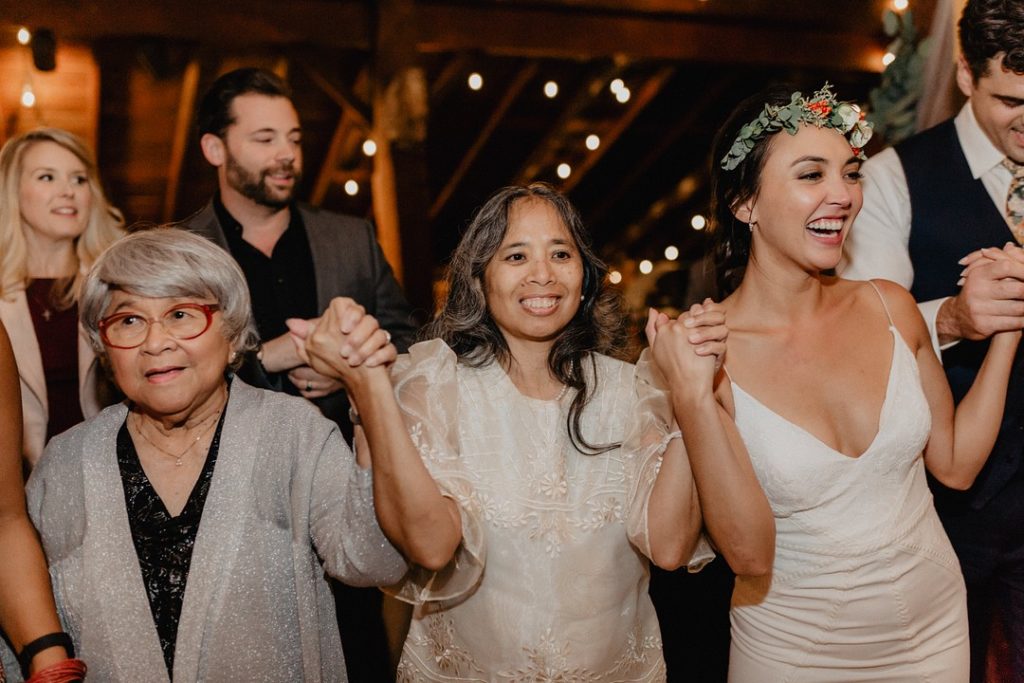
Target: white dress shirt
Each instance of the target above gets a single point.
(877, 245)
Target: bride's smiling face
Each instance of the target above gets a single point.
(808, 196)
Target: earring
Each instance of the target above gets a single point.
(751, 225)
(583, 297)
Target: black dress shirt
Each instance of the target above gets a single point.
(282, 285)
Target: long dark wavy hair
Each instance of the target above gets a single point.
(465, 323)
(731, 237)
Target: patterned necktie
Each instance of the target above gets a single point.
(1015, 200)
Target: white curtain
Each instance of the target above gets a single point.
(940, 98)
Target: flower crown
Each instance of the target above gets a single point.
(820, 109)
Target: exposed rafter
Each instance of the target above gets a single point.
(544, 152)
(180, 139)
(524, 76)
(647, 92)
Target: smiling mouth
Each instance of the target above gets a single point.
(826, 227)
(540, 303)
(66, 211)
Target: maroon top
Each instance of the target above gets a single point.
(57, 333)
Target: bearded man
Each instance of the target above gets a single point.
(296, 258)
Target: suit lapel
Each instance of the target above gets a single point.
(221, 531)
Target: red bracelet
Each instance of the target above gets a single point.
(68, 671)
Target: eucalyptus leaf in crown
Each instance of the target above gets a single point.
(820, 109)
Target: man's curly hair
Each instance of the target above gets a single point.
(992, 28)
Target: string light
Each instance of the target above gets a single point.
(616, 85)
(888, 58)
(475, 81)
(623, 95)
(593, 142)
(671, 252)
(564, 171)
(698, 222)
(351, 188)
(900, 5)
(646, 267)
(28, 98)
(369, 147)
(24, 36)
(551, 90)
(615, 277)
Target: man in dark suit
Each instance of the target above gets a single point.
(928, 202)
(296, 258)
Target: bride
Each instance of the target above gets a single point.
(840, 406)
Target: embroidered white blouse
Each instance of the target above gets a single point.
(550, 582)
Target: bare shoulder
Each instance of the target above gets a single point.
(904, 311)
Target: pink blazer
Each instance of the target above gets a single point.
(17, 319)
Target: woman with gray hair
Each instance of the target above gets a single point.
(188, 529)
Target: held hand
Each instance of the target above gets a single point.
(311, 384)
(344, 340)
(991, 299)
(687, 350)
(279, 354)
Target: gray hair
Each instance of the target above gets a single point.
(169, 262)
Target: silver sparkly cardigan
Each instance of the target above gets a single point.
(287, 504)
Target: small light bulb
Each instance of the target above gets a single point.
(646, 266)
(475, 81)
(593, 142)
(615, 277)
(551, 89)
(698, 222)
(900, 5)
(623, 95)
(888, 58)
(671, 252)
(564, 171)
(351, 188)
(616, 85)
(28, 98)
(369, 147)
(24, 35)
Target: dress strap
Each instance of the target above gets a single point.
(884, 305)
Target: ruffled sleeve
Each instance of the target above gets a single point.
(651, 428)
(426, 387)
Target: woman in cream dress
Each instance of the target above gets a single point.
(527, 473)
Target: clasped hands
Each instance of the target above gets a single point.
(991, 298)
(690, 349)
(343, 343)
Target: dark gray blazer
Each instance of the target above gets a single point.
(348, 262)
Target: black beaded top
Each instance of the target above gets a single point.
(163, 543)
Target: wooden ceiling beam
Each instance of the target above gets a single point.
(341, 94)
(556, 133)
(180, 138)
(650, 89)
(570, 31)
(640, 169)
(556, 33)
(332, 23)
(520, 81)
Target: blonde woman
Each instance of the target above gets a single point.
(54, 222)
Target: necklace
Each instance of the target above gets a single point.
(177, 457)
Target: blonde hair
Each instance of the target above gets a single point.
(106, 224)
